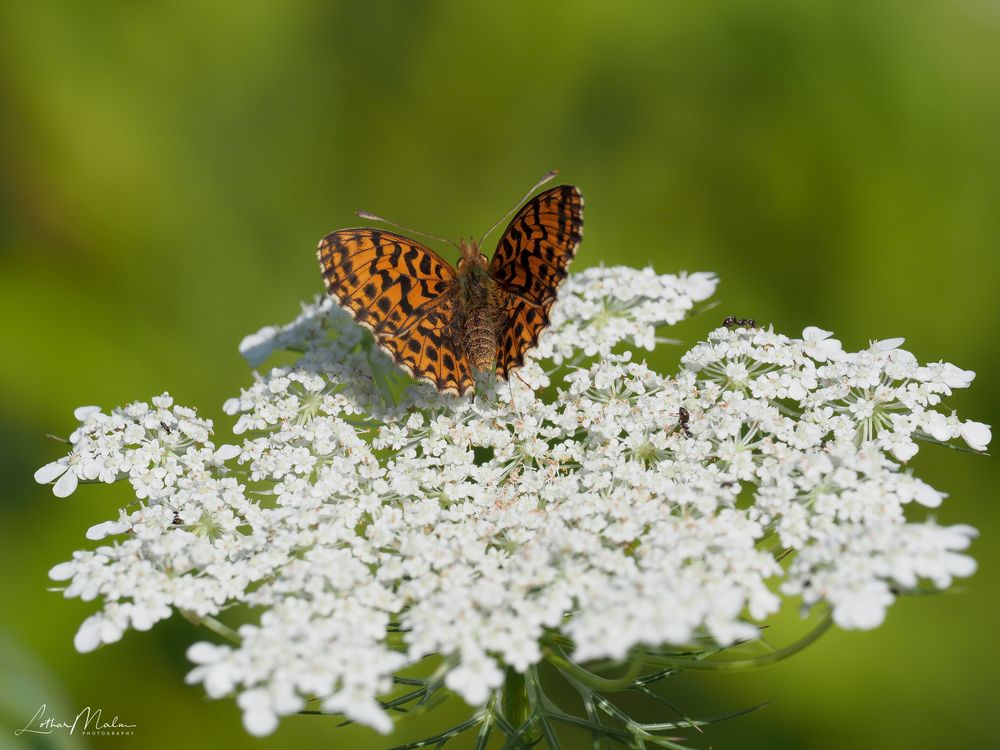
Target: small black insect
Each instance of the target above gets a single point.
(177, 519)
(682, 421)
(734, 322)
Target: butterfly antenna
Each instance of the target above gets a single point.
(373, 217)
(545, 178)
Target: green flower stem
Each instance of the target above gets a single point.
(557, 657)
(724, 665)
(487, 724)
(516, 705)
(212, 624)
(542, 707)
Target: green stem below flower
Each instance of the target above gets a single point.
(516, 705)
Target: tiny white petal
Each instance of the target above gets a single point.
(203, 652)
(259, 718)
(66, 485)
(83, 413)
(106, 529)
(63, 571)
(905, 450)
(812, 333)
(257, 347)
(976, 434)
(887, 345)
(227, 452)
(863, 609)
(50, 471)
(88, 637)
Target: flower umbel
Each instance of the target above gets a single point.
(571, 515)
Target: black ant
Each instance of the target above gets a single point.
(734, 322)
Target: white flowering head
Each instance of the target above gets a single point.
(589, 509)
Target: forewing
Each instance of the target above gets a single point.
(403, 292)
(531, 260)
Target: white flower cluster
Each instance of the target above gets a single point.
(602, 307)
(620, 508)
(153, 446)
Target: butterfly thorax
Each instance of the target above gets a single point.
(477, 312)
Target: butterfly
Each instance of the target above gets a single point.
(441, 323)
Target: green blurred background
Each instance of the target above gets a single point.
(167, 169)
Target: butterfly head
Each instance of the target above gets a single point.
(471, 256)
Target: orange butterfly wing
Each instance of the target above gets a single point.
(403, 293)
(531, 260)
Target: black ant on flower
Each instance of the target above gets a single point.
(734, 322)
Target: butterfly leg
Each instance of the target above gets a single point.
(523, 381)
(518, 376)
(493, 380)
(510, 392)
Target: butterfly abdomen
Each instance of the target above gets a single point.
(481, 335)
(479, 319)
